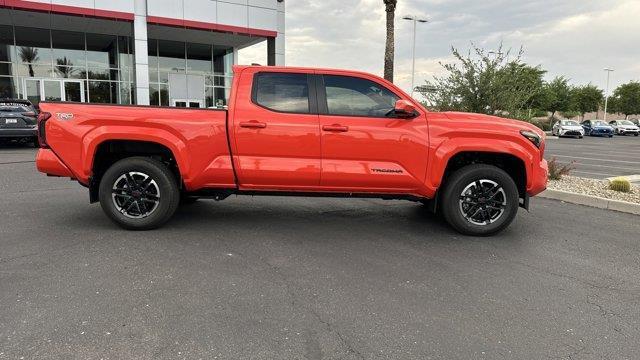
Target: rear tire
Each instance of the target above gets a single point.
(139, 193)
(480, 200)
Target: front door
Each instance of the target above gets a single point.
(276, 133)
(365, 148)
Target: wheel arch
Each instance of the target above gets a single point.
(110, 151)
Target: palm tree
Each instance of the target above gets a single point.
(63, 67)
(29, 55)
(390, 7)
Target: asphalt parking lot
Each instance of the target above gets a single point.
(598, 157)
(269, 277)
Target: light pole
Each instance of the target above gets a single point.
(415, 20)
(606, 93)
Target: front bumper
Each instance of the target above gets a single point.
(571, 132)
(601, 132)
(48, 162)
(18, 132)
(539, 177)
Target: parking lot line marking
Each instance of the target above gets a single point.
(592, 173)
(599, 159)
(611, 167)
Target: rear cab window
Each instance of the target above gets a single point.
(282, 92)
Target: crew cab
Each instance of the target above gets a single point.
(296, 131)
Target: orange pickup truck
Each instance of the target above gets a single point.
(301, 132)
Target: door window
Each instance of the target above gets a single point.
(282, 92)
(350, 96)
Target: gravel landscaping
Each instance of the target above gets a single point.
(594, 187)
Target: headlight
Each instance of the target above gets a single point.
(531, 136)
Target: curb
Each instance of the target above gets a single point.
(593, 201)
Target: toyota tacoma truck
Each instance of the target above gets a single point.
(301, 132)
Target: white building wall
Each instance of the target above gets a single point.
(141, 52)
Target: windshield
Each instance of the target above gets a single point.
(569, 123)
(626, 122)
(599, 123)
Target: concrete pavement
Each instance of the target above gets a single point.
(270, 277)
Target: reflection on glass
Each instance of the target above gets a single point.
(102, 50)
(8, 88)
(31, 70)
(33, 45)
(6, 43)
(68, 48)
(52, 91)
(33, 91)
(199, 58)
(103, 92)
(171, 56)
(72, 91)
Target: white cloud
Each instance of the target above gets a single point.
(576, 38)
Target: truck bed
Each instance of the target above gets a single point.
(196, 137)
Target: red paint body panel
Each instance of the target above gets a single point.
(255, 149)
(197, 138)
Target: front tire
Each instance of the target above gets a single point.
(480, 200)
(139, 193)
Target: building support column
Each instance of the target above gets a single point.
(271, 51)
(141, 52)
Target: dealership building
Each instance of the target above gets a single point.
(145, 52)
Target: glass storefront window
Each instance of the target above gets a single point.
(171, 56)
(68, 48)
(222, 59)
(8, 87)
(33, 45)
(31, 70)
(199, 58)
(6, 43)
(69, 72)
(102, 50)
(5, 69)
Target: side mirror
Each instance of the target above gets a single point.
(404, 109)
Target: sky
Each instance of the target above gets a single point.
(574, 38)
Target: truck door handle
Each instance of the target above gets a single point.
(253, 124)
(335, 128)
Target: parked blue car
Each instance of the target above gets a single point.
(597, 128)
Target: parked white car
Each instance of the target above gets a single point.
(624, 127)
(567, 128)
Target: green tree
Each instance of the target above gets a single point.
(626, 99)
(485, 82)
(390, 8)
(586, 98)
(557, 96)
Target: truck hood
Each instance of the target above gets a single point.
(490, 120)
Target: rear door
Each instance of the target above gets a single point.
(365, 147)
(276, 132)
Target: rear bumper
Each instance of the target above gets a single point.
(539, 178)
(18, 133)
(48, 162)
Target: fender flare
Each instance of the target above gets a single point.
(101, 134)
(454, 146)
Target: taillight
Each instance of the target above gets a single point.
(42, 135)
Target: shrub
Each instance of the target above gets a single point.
(557, 170)
(620, 184)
